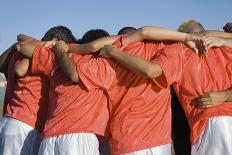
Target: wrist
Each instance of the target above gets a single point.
(187, 37)
(224, 42)
(61, 52)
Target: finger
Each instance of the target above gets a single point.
(205, 99)
(206, 106)
(208, 42)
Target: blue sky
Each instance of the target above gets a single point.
(36, 17)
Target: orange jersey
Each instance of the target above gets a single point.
(72, 108)
(26, 97)
(193, 76)
(140, 113)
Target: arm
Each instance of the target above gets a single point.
(23, 37)
(215, 33)
(216, 42)
(5, 57)
(93, 46)
(155, 33)
(161, 34)
(22, 67)
(135, 64)
(213, 99)
(68, 66)
(28, 48)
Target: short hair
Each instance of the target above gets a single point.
(126, 30)
(186, 23)
(61, 33)
(78, 41)
(93, 34)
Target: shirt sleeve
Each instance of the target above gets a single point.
(96, 72)
(170, 59)
(43, 60)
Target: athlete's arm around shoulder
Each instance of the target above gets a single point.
(5, 57)
(93, 46)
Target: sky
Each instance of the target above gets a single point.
(34, 18)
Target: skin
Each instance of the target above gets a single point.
(153, 70)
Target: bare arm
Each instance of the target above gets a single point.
(5, 57)
(145, 33)
(215, 33)
(27, 48)
(93, 46)
(154, 33)
(68, 66)
(210, 41)
(227, 42)
(22, 67)
(213, 99)
(23, 37)
(135, 64)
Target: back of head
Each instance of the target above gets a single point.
(126, 30)
(190, 26)
(61, 33)
(93, 34)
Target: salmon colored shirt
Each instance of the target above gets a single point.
(140, 113)
(26, 97)
(72, 108)
(193, 76)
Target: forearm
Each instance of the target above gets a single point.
(227, 43)
(136, 64)
(27, 49)
(93, 46)
(23, 37)
(21, 68)
(5, 57)
(68, 66)
(154, 33)
(219, 34)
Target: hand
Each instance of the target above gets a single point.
(228, 27)
(195, 43)
(105, 51)
(211, 99)
(61, 46)
(210, 41)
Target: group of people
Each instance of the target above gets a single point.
(67, 96)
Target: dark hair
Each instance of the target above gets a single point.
(126, 30)
(61, 33)
(78, 41)
(93, 34)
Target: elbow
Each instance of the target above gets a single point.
(150, 73)
(145, 31)
(94, 48)
(19, 73)
(74, 77)
(153, 72)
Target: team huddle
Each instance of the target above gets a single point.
(65, 96)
